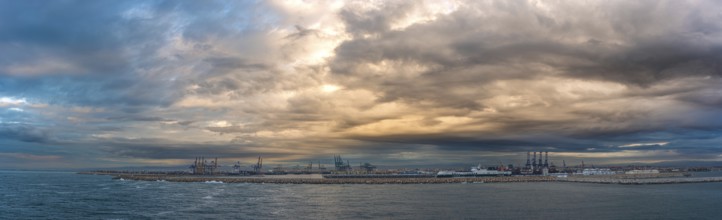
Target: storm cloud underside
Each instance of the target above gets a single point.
(118, 83)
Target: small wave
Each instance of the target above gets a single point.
(39, 184)
(164, 213)
(213, 181)
(160, 181)
(208, 197)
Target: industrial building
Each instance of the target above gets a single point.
(367, 167)
(340, 165)
(534, 166)
(597, 171)
(202, 167)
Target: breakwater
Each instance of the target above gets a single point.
(633, 176)
(273, 180)
(606, 180)
(407, 179)
(379, 176)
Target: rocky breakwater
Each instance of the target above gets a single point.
(272, 180)
(645, 180)
(638, 176)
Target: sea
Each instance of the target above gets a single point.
(67, 195)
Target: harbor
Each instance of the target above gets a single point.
(536, 169)
(395, 179)
(302, 180)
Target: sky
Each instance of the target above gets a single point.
(101, 83)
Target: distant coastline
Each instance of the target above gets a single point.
(664, 178)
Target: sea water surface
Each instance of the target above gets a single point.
(66, 195)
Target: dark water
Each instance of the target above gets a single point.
(54, 195)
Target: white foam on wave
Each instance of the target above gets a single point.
(213, 181)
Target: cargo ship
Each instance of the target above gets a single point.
(475, 171)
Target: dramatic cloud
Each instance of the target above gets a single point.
(390, 82)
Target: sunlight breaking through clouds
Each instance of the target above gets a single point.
(428, 81)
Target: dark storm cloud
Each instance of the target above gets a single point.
(471, 141)
(103, 66)
(33, 29)
(177, 79)
(653, 61)
(105, 53)
(236, 75)
(483, 42)
(24, 132)
(478, 40)
(166, 149)
(81, 52)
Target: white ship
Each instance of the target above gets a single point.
(475, 171)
